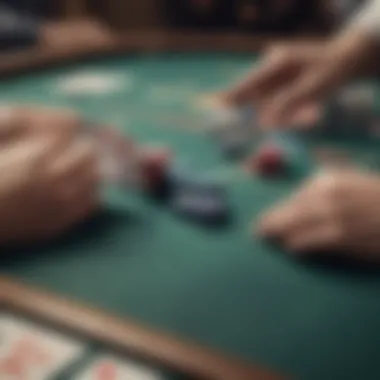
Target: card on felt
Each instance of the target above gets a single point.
(31, 352)
(111, 368)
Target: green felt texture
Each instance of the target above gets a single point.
(219, 287)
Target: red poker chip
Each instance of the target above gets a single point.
(154, 163)
(269, 160)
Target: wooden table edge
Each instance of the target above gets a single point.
(160, 40)
(125, 334)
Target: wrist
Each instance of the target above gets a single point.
(357, 50)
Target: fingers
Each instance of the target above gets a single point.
(27, 153)
(312, 219)
(317, 239)
(304, 117)
(81, 204)
(305, 92)
(76, 166)
(75, 183)
(74, 158)
(263, 79)
(302, 230)
(336, 62)
(18, 122)
(333, 212)
(51, 120)
(294, 217)
(10, 123)
(280, 67)
(70, 212)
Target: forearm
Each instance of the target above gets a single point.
(368, 19)
(360, 40)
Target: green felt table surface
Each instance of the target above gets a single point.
(219, 287)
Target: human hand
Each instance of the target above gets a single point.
(336, 211)
(47, 185)
(20, 121)
(292, 80)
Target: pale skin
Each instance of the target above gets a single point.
(49, 174)
(337, 210)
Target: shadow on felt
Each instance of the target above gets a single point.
(342, 265)
(333, 263)
(93, 232)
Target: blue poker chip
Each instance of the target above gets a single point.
(236, 146)
(202, 181)
(198, 196)
(200, 206)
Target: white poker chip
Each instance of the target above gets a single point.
(224, 118)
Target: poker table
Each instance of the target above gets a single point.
(220, 287)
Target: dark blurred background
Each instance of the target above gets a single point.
(21, 21)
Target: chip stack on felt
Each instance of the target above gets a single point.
(152, 170)
(198, 197)
(232, 128)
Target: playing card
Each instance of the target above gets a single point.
(111, 368)
(92, 83)
(31, 352)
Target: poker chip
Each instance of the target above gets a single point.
(235, 145)
(199, 197)
(268, 161)
(200, 204)
(154, 165)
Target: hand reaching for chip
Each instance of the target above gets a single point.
(47, 185)
(337, 211)
(292, 80)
